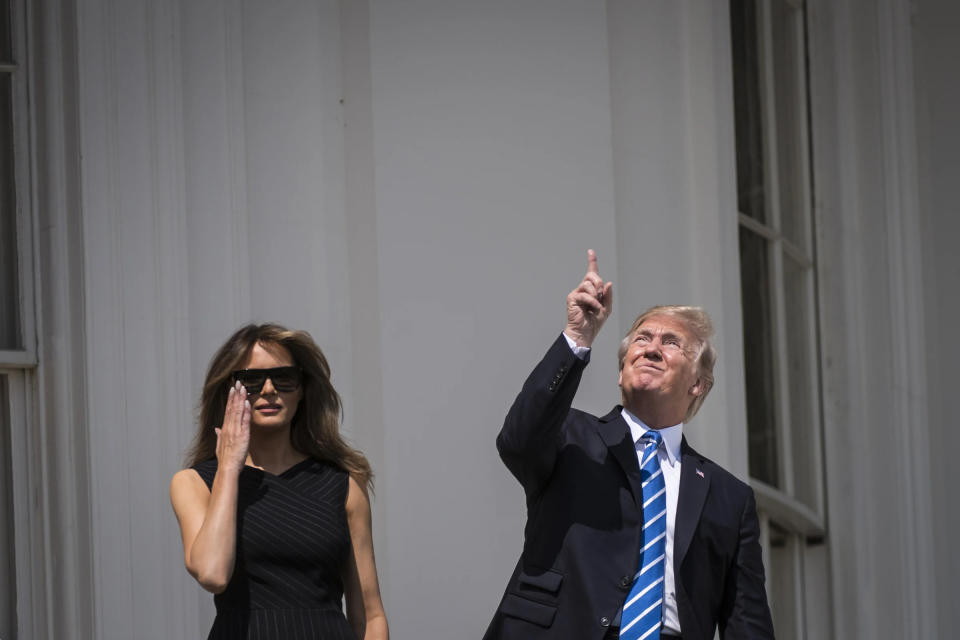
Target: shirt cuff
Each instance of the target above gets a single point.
(580, 352)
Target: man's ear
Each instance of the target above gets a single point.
(697, 388)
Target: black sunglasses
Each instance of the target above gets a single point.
(284, 378)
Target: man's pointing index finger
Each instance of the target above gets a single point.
(592, 262)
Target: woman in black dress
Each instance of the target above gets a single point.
(273, 506)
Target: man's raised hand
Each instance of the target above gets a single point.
(589, 305)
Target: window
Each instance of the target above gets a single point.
(17, 334)
(10, 325)
(778, 284)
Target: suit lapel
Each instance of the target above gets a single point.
(616, 435)
(694, 486)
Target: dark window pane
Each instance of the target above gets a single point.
(758, 358)
(791, 110)
(748, 113)
(9, 277)
(6, 42)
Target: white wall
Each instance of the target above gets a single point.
(492, 146)
(877, 431)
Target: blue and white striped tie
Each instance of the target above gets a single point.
(642, 611)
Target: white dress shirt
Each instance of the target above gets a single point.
(669, 456)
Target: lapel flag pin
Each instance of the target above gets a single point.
(700, 473)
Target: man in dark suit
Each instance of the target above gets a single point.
(630, 534)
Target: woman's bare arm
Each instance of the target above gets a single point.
(208, 517)
(361, 588)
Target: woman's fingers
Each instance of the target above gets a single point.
(236, 400)
(245, 416)
(233, 437)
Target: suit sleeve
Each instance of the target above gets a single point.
(747, 612)
(532, 431)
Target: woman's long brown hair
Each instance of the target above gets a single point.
(315, 429)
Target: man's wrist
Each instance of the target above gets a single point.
(578, 349)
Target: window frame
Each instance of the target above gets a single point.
(783, 500)
(784, 518)
(19, 367)
(26, 356)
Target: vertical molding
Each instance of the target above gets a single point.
(909, 397)
(171, 269)
(136, 307)
(363, 264)
(237, 157)
(871, 204)
(27, 503)
(824, 171)
(833, 93)
(98, 99)
(63, 454)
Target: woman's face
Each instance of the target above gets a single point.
(271, 408)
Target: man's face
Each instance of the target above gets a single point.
(660, 367)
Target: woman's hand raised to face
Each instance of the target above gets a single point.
(233, 438)
(589, 305)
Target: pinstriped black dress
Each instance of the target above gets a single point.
(292, 542)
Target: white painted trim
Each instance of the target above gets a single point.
(171, 272)
(28, 504)
(786, 511)
(26, 272)
(360, 205)
(18, 359)
(851, 384)
(99, 197)
(237, 156)
(905, 261)
(59, 419)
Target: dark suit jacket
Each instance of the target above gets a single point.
(584, 524)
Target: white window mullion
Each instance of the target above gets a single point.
(813, 375)
(767, 89)
(806, 180)
(799, 591)
(778, 306)
(781, 379)
(765, 549)
(807, 204)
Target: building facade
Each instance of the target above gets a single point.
(416, 183)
